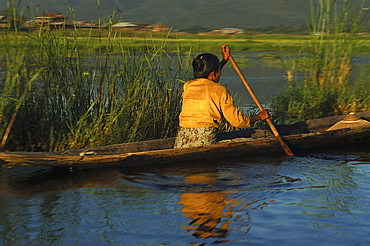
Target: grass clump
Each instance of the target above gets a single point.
(56, 95)
(329, 86)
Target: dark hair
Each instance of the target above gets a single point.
(204, 64)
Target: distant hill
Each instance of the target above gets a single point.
(180, 13)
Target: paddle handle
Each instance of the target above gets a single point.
(287, 150)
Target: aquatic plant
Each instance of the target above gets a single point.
(327, 87)
(55, 94)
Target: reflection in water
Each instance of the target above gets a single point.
(45, 206)
(206, 209)
(324, 199)
(213, 211)
(211, 196)
(34, 181)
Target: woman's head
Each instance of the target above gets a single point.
(204, 64)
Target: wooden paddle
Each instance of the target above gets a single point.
(255, 99)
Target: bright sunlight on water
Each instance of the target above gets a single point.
(315, 199)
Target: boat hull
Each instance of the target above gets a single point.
(161, 151)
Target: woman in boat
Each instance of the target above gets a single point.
(205, 102)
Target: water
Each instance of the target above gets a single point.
(267, 77)
(264, 84)
(314, 199)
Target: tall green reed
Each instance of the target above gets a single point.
(59, 95)
(16, 81)
(327, 87)
(136, 99)
(335, 32)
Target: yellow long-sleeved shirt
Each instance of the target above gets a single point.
(204, 103)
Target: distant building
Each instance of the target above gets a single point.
(51, 19)
(10, 22)
(157, 27)
(129, 26)
(81, 24)
(229, 31)
(3, 22)
(125, 25)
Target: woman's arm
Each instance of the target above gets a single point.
(225, 50)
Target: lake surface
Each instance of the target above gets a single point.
(319, 198)
(266, 75)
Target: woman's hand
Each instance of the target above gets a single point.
(263, 115)
(225, 50)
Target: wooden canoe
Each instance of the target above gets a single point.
(300, 136)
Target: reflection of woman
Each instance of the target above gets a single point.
(206, 102)
(205, 209)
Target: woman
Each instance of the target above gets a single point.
(206, 102)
